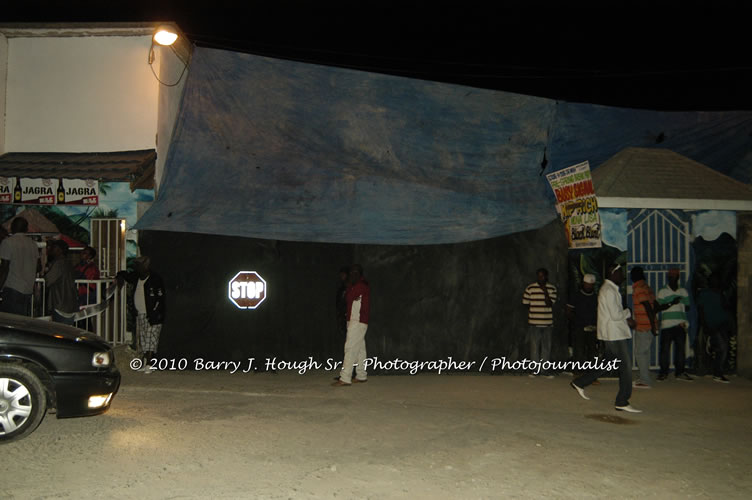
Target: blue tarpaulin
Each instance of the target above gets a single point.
(283, 150)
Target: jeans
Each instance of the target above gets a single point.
(15, 302)
(720, 345)
(615, 349)
(643, 339)
(678, 336)
(539, 339)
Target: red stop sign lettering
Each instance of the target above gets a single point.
(247, 290)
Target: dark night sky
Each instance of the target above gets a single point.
(683, 58)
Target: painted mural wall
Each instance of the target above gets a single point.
(115, 201)
(712, 250)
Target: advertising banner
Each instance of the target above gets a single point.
(577, 205)
(77, 192)
(6, 189)
(33, 191)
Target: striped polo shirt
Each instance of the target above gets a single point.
(539, 314)
(676, 314)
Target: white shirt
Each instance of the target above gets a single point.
(612, 317)
(355, 310)
(138, 298)
(22, 253)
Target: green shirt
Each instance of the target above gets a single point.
(676, 314)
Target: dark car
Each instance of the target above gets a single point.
(45, 365)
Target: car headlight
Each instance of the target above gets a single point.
(99, 400)
(101, 359)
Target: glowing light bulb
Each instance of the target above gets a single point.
(165, 36)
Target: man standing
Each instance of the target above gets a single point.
(645, 311)
(716, 323)
(614, 323)
(87, 269)
(674, 326)
(149, 299)
(18, 269)
(582, 311)
(61, 289)
(358, 297)
(341, 301)
(540, 298)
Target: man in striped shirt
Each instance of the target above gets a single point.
(540, 298)
(674, 326)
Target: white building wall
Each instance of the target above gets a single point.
(80, 94)
(3, 86)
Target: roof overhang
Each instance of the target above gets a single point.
(674, 203)
(60, 30)
(135, 167)
(182, 47)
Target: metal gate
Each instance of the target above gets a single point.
(657, 240)
(108, 239)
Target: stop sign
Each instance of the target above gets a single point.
(247, 290)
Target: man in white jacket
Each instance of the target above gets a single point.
(614, 323)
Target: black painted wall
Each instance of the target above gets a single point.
(428, 302)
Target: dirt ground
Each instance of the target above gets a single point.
(196, 435)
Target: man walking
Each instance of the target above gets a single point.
(18, 269)
(674, 327)
(540, 297)
(358, 297)
(614, 323)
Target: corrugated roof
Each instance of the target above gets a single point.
(661, 173)
(135, 167)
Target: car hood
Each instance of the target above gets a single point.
(50, 329)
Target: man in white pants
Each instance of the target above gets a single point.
(358, 296)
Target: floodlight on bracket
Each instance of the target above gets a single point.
(165, 35)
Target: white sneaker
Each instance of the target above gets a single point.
(147, 370)
(628, 408)
(579, 390)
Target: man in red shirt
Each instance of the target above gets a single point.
(645, 311)
(358, 298)
(87, 269)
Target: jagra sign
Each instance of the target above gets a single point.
(247, 290)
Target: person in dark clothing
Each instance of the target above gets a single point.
(716, 323)
(149, 299)
(341, 301)
(582, 311)
(62, 296)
